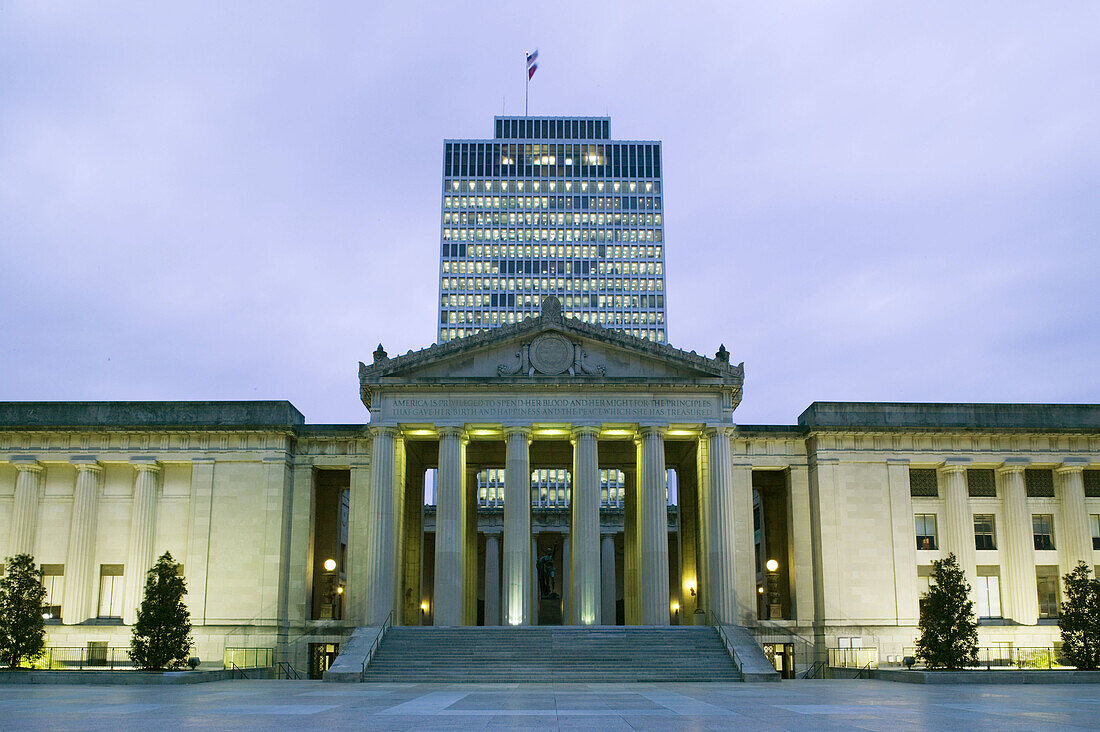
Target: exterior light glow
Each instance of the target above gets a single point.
(340, 590)
(330, 564)
(760, 590)
(772, 565)
(680, 433)
(424, 606)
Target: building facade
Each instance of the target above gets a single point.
(552, 206)
(852, 503)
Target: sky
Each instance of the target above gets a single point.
(863, 201)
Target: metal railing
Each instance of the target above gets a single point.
(80, 658)
(377, 642)
(990, 657)
(283, 670)
(729, 648)
(815, 671)
(853, 657)
(247, 657)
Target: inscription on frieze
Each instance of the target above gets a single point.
(553, 408)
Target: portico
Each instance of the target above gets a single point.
(551, 393)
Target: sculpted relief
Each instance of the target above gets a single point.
(551, 354)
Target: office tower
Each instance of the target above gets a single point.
(552, 206)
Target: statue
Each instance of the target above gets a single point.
(545, 568)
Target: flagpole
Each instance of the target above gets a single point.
(526, 85)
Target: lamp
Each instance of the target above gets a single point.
(775, 608)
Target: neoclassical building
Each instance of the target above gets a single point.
(550, 471)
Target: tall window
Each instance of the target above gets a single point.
(926, 531)
(110, 591)
(1042, 525)
(1046, 584)
(984, 538)
(988, 594)
(1095, 519)
(53, 579)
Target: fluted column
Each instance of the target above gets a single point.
(1017, 550)
(380, 557)
(653, 533)
(958, 529)
(24, 517)
(585, 532)
(492, 580)
(722, 544)
(517, 527)
(1076, 542)
(631, 612)
(607, 579)
(450, 529)
(80, 577)
(143, 530)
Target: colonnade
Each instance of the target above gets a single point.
(589, 570)
(79, 601)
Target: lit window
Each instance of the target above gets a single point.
(926, 531)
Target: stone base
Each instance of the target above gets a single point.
(550, 611)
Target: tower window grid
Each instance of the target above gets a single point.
(521, 220)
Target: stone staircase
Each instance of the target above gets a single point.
(551, 653)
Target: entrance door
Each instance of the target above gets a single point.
(781, 656)
(321, 657)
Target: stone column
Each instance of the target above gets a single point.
(607, 579)
(630, 547)
(80, 577)
(143, 530)
(1075, 545)
(357, 592)
(566, 595)
(381, 556)
(470, 542)
(518, 567)
(24, 518)
(585, 531)
(801, 543)
(653, 528)
(721, 533)
(1017, 548)
(450, 529)
(492, 580)
(958, 529)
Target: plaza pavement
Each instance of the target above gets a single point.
(791, 705)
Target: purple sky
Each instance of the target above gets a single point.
(862, 202)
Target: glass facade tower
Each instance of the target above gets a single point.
(552, 206)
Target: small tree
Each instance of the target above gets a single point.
(162, 634)
(948, 627)
(1080, 620)
(22, 628)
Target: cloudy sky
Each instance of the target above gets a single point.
(864, 201)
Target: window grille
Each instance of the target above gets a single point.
(923, 483)
(1092, 483)
(1039, 483)
(980, 483)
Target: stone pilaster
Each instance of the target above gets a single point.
(607, 579)
(958, 529)
(905, 552)
(80, 577)
(518, 587)
(492, 580)
(143, 530)
(1017, 549)
(631, 611)
(24, 518)
(359, 506)
(450, 529)
(585, 532)
(722, 539)
(381, 530)
(653, 528)
(1075, 544)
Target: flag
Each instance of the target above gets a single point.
(532, 63)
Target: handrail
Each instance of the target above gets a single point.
(712, 621)
(866, 668)
(284, 668)
(374, 646)
(239, 670)
(813, 670)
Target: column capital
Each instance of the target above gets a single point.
(646, 430)
(584, 430)
(517, 430)
(1013, 465)
(715, 431)
(383, 431)
(86, 462)
(1072, 465)
(955, 465)
(145, 464)
(27, 464)
(452, 431)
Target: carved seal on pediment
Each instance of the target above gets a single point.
(551, 354)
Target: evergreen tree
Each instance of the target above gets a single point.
(1080, 620)
(948, 626)
(161, 637)
(22, 628)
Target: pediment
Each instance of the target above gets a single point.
(550, 348)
